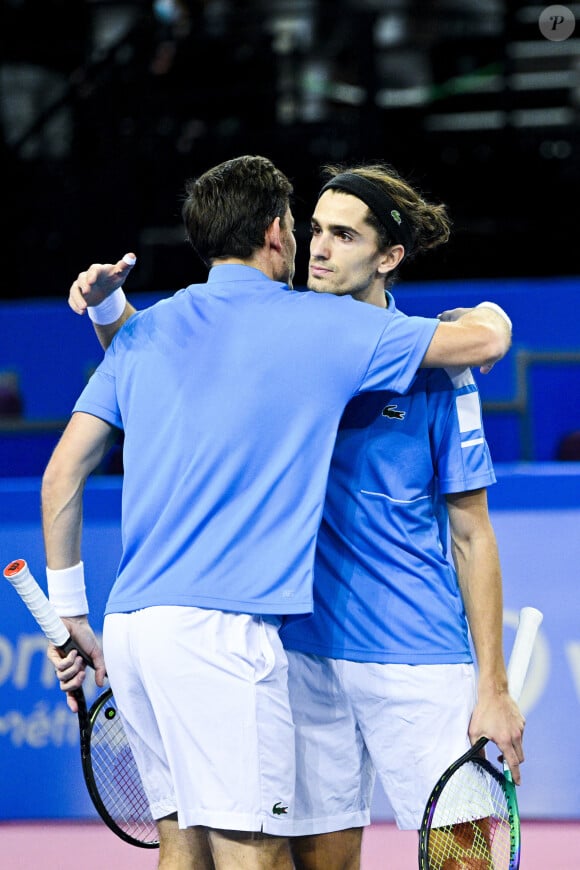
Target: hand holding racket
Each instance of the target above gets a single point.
(471, 820)
(70, 659)
(109, 769)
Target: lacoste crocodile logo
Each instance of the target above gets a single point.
(391, 412)
(278, 809)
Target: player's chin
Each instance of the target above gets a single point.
(319, 285)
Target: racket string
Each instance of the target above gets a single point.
(471, 823)
(117, 778)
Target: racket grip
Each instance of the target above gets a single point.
(529, 623)
(18, 573)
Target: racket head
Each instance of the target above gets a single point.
(471, 819)
(111, 774)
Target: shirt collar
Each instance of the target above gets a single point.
(391, 304)
(236, 272)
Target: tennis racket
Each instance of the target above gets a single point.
(109, 768)
(471, 820)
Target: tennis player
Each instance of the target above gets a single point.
(381, 673)
(229, 395)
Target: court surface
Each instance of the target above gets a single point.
(62, 845)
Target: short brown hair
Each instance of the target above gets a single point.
(228, 209)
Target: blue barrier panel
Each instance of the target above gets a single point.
(40, 771)
(536, 514)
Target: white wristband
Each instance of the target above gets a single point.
(66, 590)
(498, 310)
(110, 309)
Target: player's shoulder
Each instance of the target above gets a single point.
(167, 306)
(352, 309)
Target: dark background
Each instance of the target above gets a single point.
(107, 107)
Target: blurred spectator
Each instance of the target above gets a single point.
(11, 403)
(569, 447)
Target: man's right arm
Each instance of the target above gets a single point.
(479, 336)
(81, 447)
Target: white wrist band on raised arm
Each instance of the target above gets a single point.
(110, 309)
(66, 590)
(498, 310)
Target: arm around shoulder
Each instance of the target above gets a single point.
(470, 337)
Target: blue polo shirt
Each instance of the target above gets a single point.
(229, 394)
(384, 588)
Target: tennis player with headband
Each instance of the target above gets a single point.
(381, 674)
(354, 253)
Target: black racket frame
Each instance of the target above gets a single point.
(87, 718)
(474, 756)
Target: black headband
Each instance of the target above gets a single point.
(384, 208)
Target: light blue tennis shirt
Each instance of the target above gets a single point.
(229, 394)
(384, 589)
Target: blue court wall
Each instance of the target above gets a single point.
(536, 513)
(531, 398)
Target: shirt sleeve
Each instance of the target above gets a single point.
(399, 353)
(461, 454)
(99, 397)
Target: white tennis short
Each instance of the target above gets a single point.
(407, 723)
(204, 698)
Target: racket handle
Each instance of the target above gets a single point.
(529, 623)
(18, 573)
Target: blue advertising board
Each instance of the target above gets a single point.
(536, 514)
(40, 770)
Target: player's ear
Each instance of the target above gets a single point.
(273, 237)
(391, 259)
